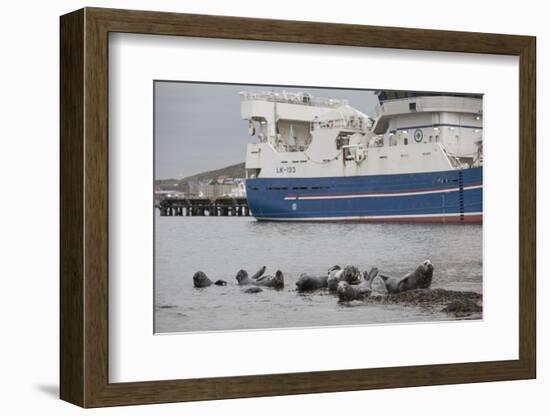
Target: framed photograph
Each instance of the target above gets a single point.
(255, 207)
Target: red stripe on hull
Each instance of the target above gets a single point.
(397, 193)
(450, 219)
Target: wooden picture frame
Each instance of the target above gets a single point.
(84, 207)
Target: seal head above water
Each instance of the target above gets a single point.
(200, 279)
(242, 278)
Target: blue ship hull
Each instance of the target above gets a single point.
(447, 196)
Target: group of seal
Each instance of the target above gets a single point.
(259, 278)
(308, 283)
(349, 282)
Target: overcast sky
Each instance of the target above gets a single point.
(198, 127)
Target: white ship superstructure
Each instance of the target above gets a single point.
(416, 143)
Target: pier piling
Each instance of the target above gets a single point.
(202, 207)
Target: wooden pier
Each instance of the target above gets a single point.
(201, 207)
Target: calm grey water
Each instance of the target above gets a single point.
(221, 246)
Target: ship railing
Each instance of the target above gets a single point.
(293, 98)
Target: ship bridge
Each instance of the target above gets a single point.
(452, 119)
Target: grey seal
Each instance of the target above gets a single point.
(421, 278)
(259, 279)
(243, 278)
(200, 279)
(349, 274)
(253, 289)
(307, 283)
(276, 282)
(347, 292)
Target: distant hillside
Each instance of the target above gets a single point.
(233, 171)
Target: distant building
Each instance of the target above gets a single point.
(239, 188)
(219, 187)
(162, 194)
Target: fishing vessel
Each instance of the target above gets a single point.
(418, 159)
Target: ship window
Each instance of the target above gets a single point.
(437, 139)
(383, 157)
(405, 141)
(412, 106)
(431, 137)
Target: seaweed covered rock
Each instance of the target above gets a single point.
(456, 302)
(462, 307)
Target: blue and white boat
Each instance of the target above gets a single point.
(319, 159)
